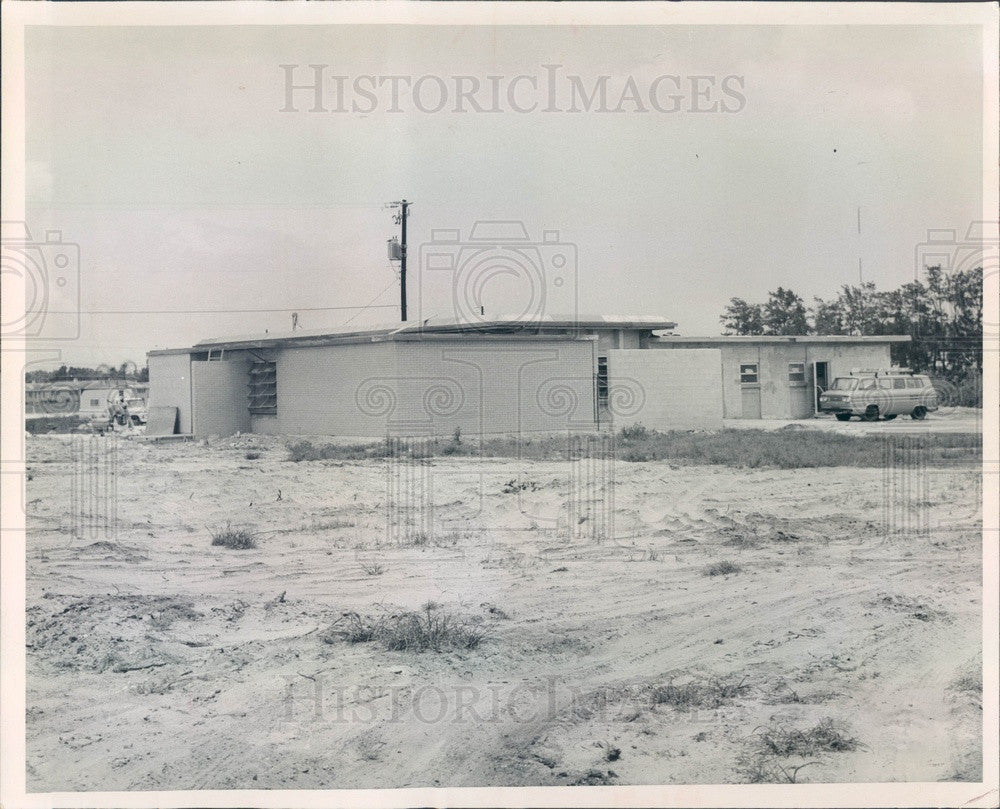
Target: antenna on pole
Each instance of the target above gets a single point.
(860, 276)
(397, 250)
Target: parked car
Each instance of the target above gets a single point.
(879, 394)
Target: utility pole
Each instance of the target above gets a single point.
(400, 219)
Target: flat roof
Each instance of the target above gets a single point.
(781, 338)
(503, 325)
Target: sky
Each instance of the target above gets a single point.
(202, 209)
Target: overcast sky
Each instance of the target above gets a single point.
(164, 153)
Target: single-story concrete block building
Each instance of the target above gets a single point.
(495, 376)
(777, 377)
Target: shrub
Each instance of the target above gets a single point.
(252, 456)
(307, 451)
(722, 569)
(712, 693)
(428, 628)
(53, 424)
(237, 539)
(825, 737)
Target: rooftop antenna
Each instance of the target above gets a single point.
(861, 279)
(295, 320)
(397, 250)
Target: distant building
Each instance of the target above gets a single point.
(495, 376)
(84, 398)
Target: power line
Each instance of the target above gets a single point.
(380, 306)
(206, 311)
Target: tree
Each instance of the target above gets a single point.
(942, 314)
(741, 317)
(827, 317)
(784, 313)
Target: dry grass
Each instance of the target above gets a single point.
(712, 693)
(415, 631)
(781, 449)
(725, 568)
(780, 752)
(372, 568)
(825, 737)
(237, 539)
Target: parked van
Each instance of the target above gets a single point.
(875, 394)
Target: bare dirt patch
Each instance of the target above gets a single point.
(159, 661)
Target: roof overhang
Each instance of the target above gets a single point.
(743, 339)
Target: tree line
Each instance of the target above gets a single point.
(126, 372)
(942, 313)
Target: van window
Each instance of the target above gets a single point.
(796, 372)
(898, 383)
(748, 373)
(867, 384)
(914, 383)
(884, 384)
(844, 383)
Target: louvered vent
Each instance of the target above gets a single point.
(263, 396)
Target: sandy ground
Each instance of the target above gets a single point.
(944, 420)
(157, 661)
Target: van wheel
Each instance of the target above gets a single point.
(890, 417)
(843, 416)
(871, 413)
(919, 413)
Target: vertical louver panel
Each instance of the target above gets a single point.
(262, 398)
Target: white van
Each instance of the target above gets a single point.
(875, 394)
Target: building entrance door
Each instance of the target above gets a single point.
(821, 381)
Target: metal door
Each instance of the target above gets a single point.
(751, 402)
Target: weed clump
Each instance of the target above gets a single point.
(722, 569)
(237, 539)
(712, 693)
(415, 631)
(825, 737)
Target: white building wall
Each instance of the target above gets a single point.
(666, 390)
(170, 385)
(495, 386)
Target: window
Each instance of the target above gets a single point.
(867, 384)
(95, 402)
(796, 372)
(914, 383)
(602, 380)
(748, 373)
(263, 396)
(884, 384)
(898, 383)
